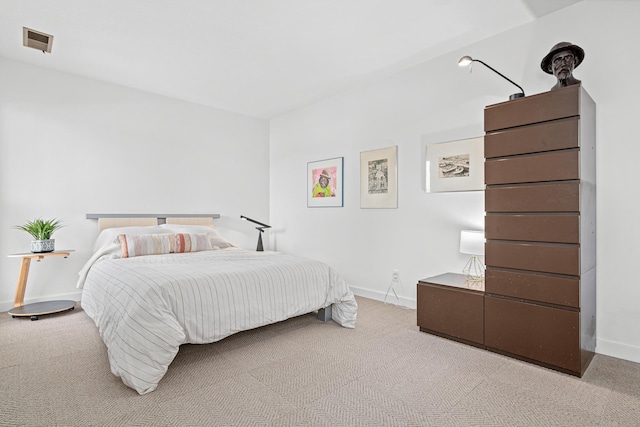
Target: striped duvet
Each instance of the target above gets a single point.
(146, 307)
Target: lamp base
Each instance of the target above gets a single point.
(260, 248)
(474, 270)
(516, 96)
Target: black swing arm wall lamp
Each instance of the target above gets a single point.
(260, 229)
(467, 60)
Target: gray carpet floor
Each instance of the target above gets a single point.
(303, 372)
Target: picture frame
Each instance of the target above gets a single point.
(455, 166)
(379, 178)
(325, 183)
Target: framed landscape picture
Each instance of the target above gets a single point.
(325, 183)
(455, 166)
(379, 178)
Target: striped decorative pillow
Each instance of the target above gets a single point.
(191, 243)
(157, 244)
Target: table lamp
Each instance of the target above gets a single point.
(260, 229)
(472, 243)
(467, 60)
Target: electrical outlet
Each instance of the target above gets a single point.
(395, 276)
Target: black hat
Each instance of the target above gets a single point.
(577, 51)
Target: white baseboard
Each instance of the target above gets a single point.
(618, 350)
(73, 296)
(379, 296)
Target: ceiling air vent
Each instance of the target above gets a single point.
(36, 39)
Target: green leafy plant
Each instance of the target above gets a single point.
(41, 229)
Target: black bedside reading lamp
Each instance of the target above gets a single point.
(260, 229)
(466, 60)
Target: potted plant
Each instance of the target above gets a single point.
(41, 231)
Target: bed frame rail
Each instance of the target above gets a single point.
(162, 218)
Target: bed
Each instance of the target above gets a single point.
(151, 288)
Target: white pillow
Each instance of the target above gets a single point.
(110, 235)
(217, 241)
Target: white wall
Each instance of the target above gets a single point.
(438, 102)
(71, 146)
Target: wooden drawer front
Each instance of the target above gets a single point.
(453, 312)
(549, 136)
(534, 228)
(543, 107)
(555, 197)
(545, 334)
(553, 166)
(534, 286)
(546, 258)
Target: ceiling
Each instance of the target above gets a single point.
(261, 58)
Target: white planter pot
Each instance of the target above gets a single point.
(38, 246)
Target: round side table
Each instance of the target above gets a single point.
(20, 309)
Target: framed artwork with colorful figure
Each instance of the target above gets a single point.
(325, 183)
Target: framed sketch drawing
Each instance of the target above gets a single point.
(325, 183)
(455, 166)
(379, 178)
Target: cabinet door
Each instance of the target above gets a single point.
(556, 228)
(549, 136)
(544, 257)
(541, 167)
(545, 197)
(538, 333)
(453, 312)
(556, 104)
(541, 287)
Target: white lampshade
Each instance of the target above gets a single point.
(472, 242)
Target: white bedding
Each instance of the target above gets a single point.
(146, 307)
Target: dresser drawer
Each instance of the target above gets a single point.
(545, 197)
(544, 334)
(548, 136)
(557, 228)
(551, 166)
(546, 258)
(557, 104)
(454, 312)
(534, 286)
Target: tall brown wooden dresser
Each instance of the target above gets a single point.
(540, 226)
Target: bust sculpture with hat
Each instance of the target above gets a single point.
(561, 60)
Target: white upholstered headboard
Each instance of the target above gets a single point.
(191, 221)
